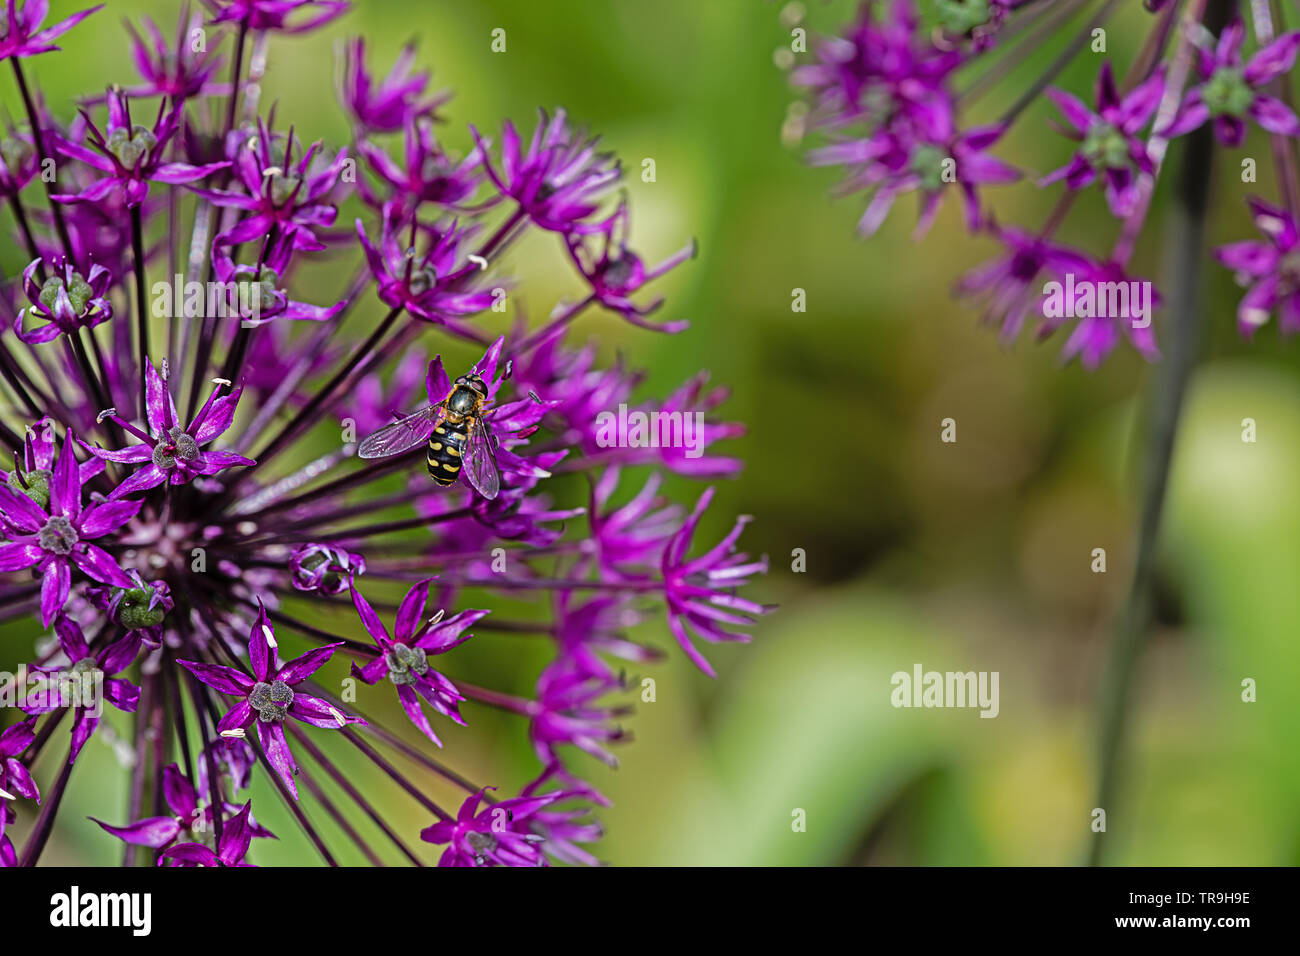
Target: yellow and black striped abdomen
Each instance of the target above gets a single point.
(446, 446)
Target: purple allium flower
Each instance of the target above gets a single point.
(1231, 92)
(15, 780)
(173, 453)
(22, 36)
(56, 537)
(1010, 285)
(275, 14)
(189, 815)
(396, 101)
(427, 173)
(268, 696)
(496, 835)
(560, 181)
(64, 300)
(231, 849)
(164, 564)
(178, 72)
(1109, 142)
(131, 156)
(280, 189)
(403, 657)
(86, 676)
(1269, 268)
(614, 272)
(1098, 330)
(701, 591)
(256, 291)
(432, 288)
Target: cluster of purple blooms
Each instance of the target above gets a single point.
(888, 94)
(178, 500)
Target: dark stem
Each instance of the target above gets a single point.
(141, 304)
(1165, 404)
(38, 137)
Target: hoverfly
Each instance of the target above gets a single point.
(457, 433)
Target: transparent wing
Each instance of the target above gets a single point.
(402, 435)
(481, 460)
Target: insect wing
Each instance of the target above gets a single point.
(402, 435)
(481, 461)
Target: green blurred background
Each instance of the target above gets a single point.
(966, 556)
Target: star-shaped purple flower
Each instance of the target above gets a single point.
(701, 591)
(65, 301)
(268, 696)
(56, 537)
(130, 156)
(1270, 268)
(174, 454)
(15, 780)
(559, 181)
(497, 835)
(404, 655)
(1109, 142)
(236, 837)
(189, 815)
(1231, 92)
(78, 683)
(22, 37)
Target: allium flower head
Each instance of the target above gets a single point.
(188, 502)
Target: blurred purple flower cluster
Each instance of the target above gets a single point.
(891, 94)
(196, 343)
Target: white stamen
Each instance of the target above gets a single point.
(269, 635)
(437, 617)
(479, 261)
(104, 414)
(234, 732)
(221, 381)
(334, 712)
(6, 795)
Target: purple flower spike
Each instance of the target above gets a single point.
(1269, 268)
(173, 453)
(403, 657)
(56, 537)
(1231, 92)
(1109, 142)
(268, 696)
(497, 835)
(21, 36)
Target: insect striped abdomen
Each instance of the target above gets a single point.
(446, 446)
